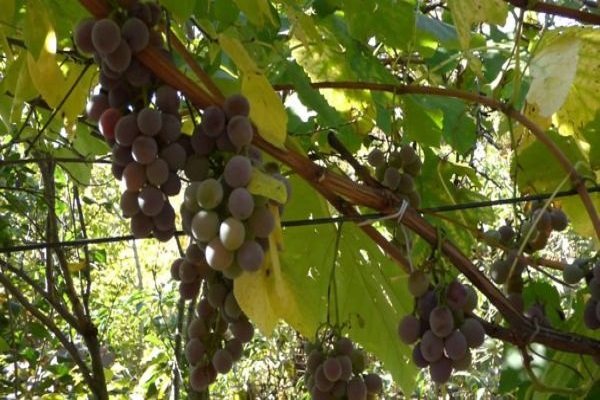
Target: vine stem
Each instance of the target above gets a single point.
(337, 189)
(509, 111)
(561, 11)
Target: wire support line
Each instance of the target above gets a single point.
(307, 222)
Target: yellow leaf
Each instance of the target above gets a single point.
(265, 185)
(266, 110)
(76, 267)
(24, 88)
(75, 103)
(553, 71)
(46, 75)
(466, 13)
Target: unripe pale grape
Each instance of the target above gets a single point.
(217, 256)
(209, 193)
(205, 225)
(232, 233)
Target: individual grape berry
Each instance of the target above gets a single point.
(431, 346)
(250, 256)
(440, 370)
(506, 234)
(332, 369)
(134, 176)
(391, 178)
(238, 171)
(418, 283)
(172, 186)
(121, 155)
(106, 36)
(167, 99)
(472, 300)
(197, 167)
(217, 256)
(217, 292)
(473, 331)
(209, 194)
(151, 200)
(374, 383)
(235, 348)
(136, 34)
(262, 222)
(108, 121)
(499, 270)
(239, 131)
(455, 345)
(82, 35)
(141, 226)
(175, 155)
(119, 59)
(126, 130)
(213, 121)
(409, 329)
(456, 295)
(376, 158)
(205, 225)
(314, 359)
(441, 321)
(406, 184)
(157, 172)
(194, 351)
(149, 121)
(188, 272)
(97, 104)
(240, 203)
(232, 233)
(144, 150)
(426, 303)
(558, 220)
(242, 330)
(129, 204)
(417, 357)
(590, 317)
(356, 389)
(175, 265)
(231, 307)
(236, 104)
(170, 129)
(321, 381)
(408, 155)
(165, 220)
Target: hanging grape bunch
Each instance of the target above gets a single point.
(219, 328)
(335, 368)
(585, 269)
(221, 214)
(397, 170)
(534, 232)
(441, 328)
(137, 115)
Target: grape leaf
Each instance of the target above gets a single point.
(181, 9)
(267, 186)
(45, 73)
(266, 110)
(257, 11)
(37, 27)
(466, 13)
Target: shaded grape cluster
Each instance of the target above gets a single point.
(137, 115)
(583, 269)
(335, 369)
(218, 329)
(441, 328)
(534, 232)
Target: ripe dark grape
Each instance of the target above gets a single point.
(175, 265)
(240, 203)
(135, 33)
(129, 204)
(558, 220)
(106, 36)
(441, 321)
(409, 329)
(332, 369)
(261, 222)
(141, 226)
(473, 331)
(126, 130)
(165, 220)
(506, 234)
(590, 317)
(235, 348)
(572, 273)
(200, 378)
(441, 370)
(201, 142)
(250, 256)
(151, 201)
(172, 186)
(170, 129)
(238, 171)
(463, 363)
(408, 155)
(239, 130)
(431, 346)
(167, 99)
(242, 330)
(97, 104)
(417, 357)
(137, 74)
(236, 104)
(344, 346)
(376, 158)
(121, 155)
(217, 292)
(149, 121)
(213, 121)
(157, 172)
(231, 307)
(108, 121)
(456, 295)
(197, 167)
(391, 178)
(356, 389)
(321, 380)
(174, 154)
(144, 150)
(455, 345)
(426, 303)
(119, 59)
(194, 351)
(499, 271)
(82, 35)
(406, 184)
(134, 176)
(374, 383)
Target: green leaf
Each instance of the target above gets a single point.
(422, 121)
(257, 11)
(432, 33)
(466, 13)
(181, 9)
(391, 22)
(81, 172)
(4, 346)
(266, 110)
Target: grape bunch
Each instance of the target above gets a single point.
(219, 212)
(137, 115)
(398, 172)
(335, 369)
(584, 269)
(441, 326)
(219, 328)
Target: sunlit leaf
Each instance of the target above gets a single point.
(267, 186)
(257, 11)
(466, 13)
